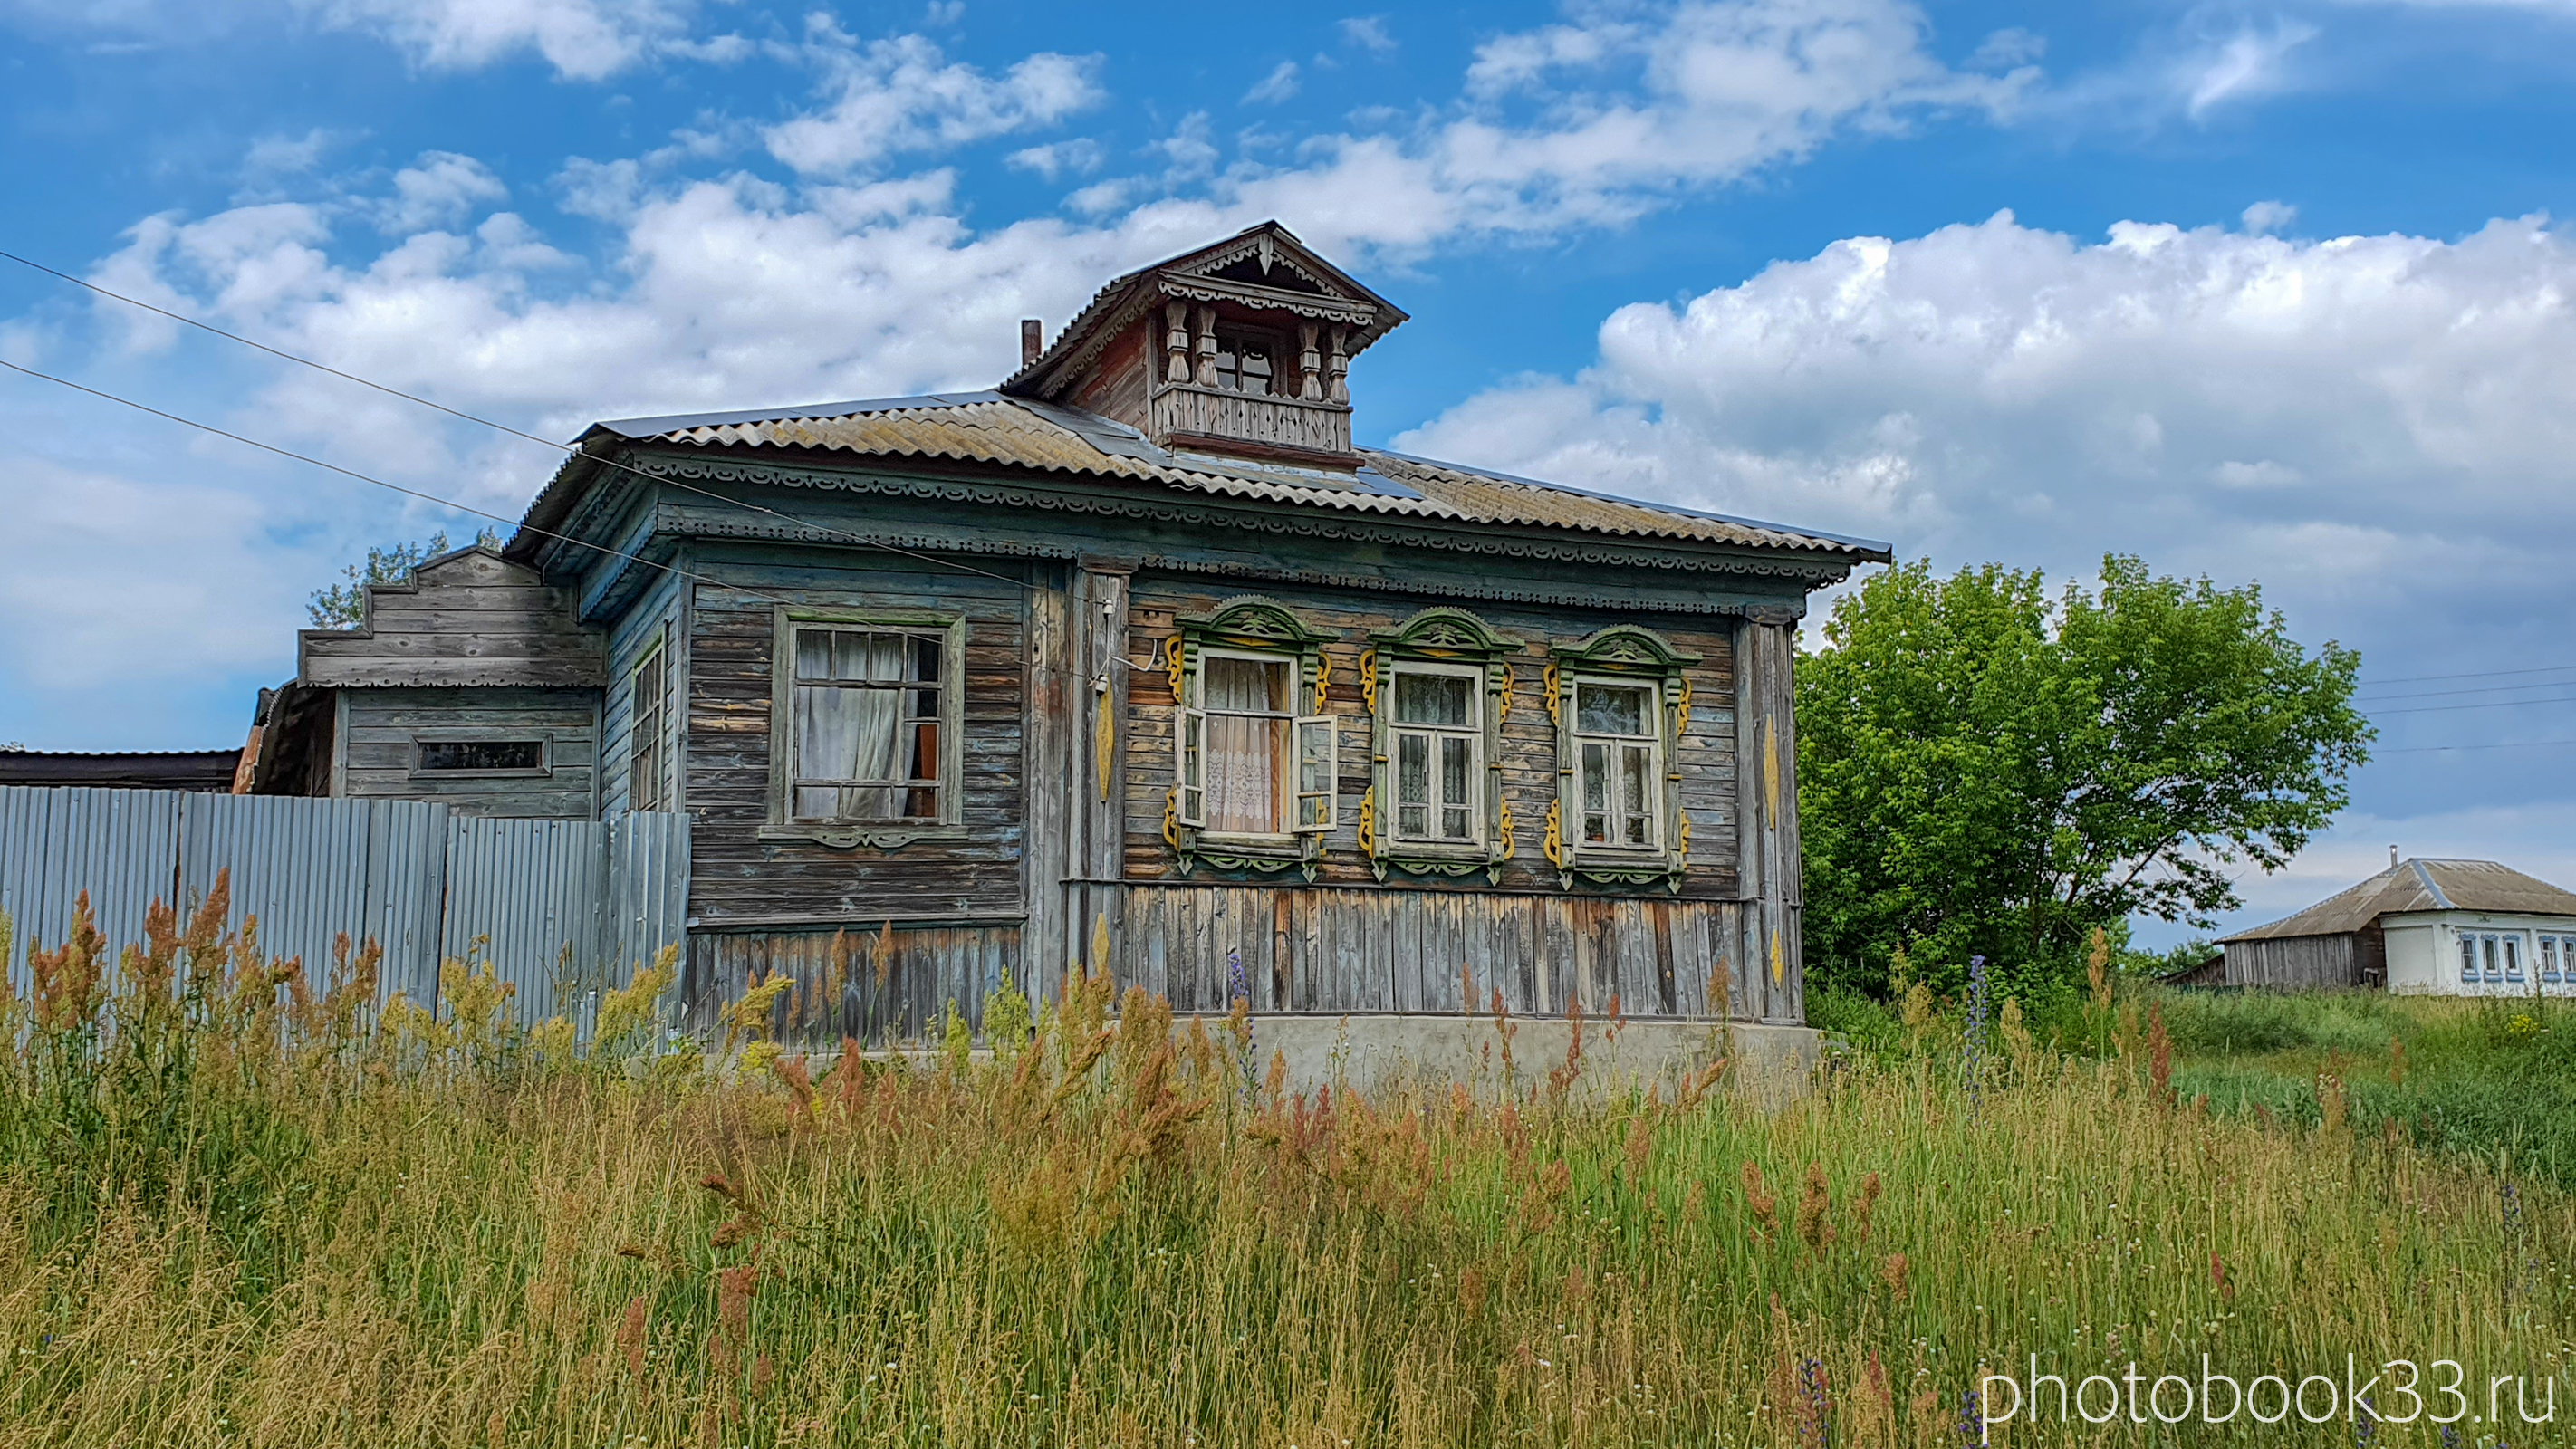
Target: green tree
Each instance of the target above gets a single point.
(343, 605)
(1984, 770)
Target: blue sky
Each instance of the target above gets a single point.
(2268, 291)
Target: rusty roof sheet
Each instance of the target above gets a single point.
(2422, 885)
(987, 427)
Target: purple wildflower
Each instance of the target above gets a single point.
(1980, 1011)
(1815, 1424)
(1972, 1411)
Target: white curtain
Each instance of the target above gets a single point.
(1243, 750)
(847, 734)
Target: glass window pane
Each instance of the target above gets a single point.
(1315, 757)
(2494, 972)
(1457, 824)
(1634, 769)
(2513, 958)
(925, 660)
(1245, 686)
(924, 763)
(1596, 829)
(482, 754)
(1244, 760)
(2468, 958)
(1610, 709)
(1434, 699)
(1413, 769)
(1596, 777)
(845, 734)
(1413, 821)
(1457, 764)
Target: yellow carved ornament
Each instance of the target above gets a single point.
(1368, 821)
(1771, 769)
(1323, 677)
(1779, 966)
(1509, 680)
(1104, 740)
(1554, 706)
(1681, 847)
(1368, 679)
(1554, 841)
(1172, 665)
(1172, 817)
(1681, 706)
(1503, 835)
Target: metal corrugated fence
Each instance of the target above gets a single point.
(562, 909)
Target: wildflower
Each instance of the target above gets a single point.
(1892, 1273)
(1870, 1188)
(1815, 1424)
(630, 1335)
(1972, 1418)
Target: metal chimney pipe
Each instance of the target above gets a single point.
(1032, 340)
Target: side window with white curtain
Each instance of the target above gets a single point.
(866, 720)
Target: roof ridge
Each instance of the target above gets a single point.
(2426, 877)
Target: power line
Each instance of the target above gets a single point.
(2443, 708)
(2502, 745)
(564, 448)
(2473, 689)
(2472, 674)
(672, 570)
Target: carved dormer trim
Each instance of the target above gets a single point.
(1171, 350)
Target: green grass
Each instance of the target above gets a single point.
(246, 1219)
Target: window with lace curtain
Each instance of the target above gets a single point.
(1250, 764)
(866, 720)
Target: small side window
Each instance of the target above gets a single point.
(647, 757)
(2513, 958)
(481, 757)
(2549, 949)
(2468, 959)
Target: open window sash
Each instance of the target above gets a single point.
(1318, 771)
(1192, 809)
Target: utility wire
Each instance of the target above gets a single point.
(2500, 745)
(672, 570)
(2442, 708)
(2472, 674)
(565, 448)
(2471, 689)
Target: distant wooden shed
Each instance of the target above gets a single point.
(122, 769)
(2449, 927)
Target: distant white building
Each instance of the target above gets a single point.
(2439, 927)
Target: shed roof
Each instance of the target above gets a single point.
(130, 769)
(2422, 885)
(989, 427)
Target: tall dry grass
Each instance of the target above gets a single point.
(235, 1212)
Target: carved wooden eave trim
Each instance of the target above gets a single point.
(1473, 539)
(1271, 299)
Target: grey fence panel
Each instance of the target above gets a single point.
(117, 845)
(310, 870)
(562, 909)
(648, 888)
(527, 896)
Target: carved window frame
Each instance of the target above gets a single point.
(1621, 654)
(1449, 640)
(1250, 625)
(786, 619)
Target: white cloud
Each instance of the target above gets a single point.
(166, 575)
(1077, 157)
(1366, 32)
(1275, 87)
(902, 94)
(581, 39)
(2264, 217)
(2375, 427)
(439, 190)
(2248, 64)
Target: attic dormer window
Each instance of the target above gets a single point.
(1246, 361)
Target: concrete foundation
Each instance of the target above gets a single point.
(1378, 1052)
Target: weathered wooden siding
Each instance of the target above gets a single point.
(924, 969)
(382, 729)
(1706, 759)
(1768, 868)
(1348, 949)
(2294, 962)
(470, 618)
(1126, 373)
(739, 880)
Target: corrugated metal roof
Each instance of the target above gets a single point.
(988, 427)
(2422, 885)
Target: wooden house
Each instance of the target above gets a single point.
(1135, 656)
(2430, 927)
